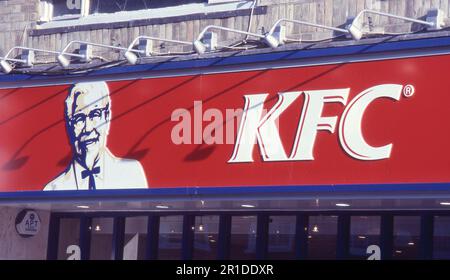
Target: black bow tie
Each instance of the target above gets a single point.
(90, 173)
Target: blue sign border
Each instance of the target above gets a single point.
(222, 192)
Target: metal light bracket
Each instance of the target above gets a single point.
(86, 52)
(146, 46)
(436, 17)
(210, 41)
(279, 33)
(28, 56)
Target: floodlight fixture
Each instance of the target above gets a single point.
(145, 47)
(201, 47)
(6, 67)
(435, 21)
(85, 52)
(277, 34)
(27, 57)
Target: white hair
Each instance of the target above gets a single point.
(100, 88)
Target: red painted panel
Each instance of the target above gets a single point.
(34, 147)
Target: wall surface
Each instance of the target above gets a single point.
(15, 247)
(17, 17)
(19, 26)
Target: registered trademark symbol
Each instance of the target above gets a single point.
(408, 90)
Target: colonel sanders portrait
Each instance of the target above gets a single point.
(93, 166)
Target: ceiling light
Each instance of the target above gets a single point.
(342, 205)
(315, 228)
(83, 206)
(411, 243)
(361, 237)
(247, 206)
(162, 206)
(444, 203)
(97, 228)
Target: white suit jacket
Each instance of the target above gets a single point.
(115, 173)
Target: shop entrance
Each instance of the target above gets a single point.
(249, 235)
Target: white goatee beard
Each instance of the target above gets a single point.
(89, 155)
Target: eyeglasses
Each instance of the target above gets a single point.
(95, 115)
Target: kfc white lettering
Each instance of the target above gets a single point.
(255, 126)
(350, 131)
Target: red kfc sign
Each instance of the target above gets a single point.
(360, 123)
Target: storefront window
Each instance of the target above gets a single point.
(281, 237)
(364, 232)
(406, 237)
(101, 238)
(69, 239)
(135, 238)
(64, 7)
(322, 235)
(441, 241)
(243, 238)
(170, 237)
(206, 237)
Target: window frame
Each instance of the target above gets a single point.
(46, 10)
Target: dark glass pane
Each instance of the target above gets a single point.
(441, 241)
(101, 238)
(66, 7)
(170, 237)
(206, 237)
(135, 238)
(281, 237)
(243, 238)
(364, 232)
(322, 235)
(406, 237)
(69, 239)
(112, 6)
